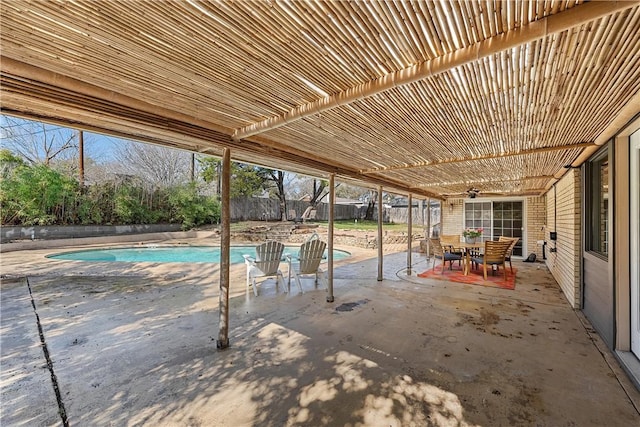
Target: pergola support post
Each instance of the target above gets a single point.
(409, 233)
(380, 212)
(332, 197)
(225, 244)
(428, 233)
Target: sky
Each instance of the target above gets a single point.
(99, 147)
(102, 149)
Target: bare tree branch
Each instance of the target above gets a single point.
(36, 142)
(157, 166)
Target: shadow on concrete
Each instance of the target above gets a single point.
(139, 349)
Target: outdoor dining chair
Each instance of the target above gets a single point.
(266, 263)
(494, 255)
(445, 255)
(513, 241)
(452, 243)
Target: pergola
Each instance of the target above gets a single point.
(423, 98)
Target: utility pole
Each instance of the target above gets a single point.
(218, 178)
(193, 167)
(81, 158)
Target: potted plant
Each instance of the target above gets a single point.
(471, 234)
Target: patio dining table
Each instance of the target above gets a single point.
(468, 248)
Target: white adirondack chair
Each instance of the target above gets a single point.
(307, 262)
(266, 263)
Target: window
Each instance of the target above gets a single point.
(499, 218)
(597, 205)
(507, 220)
(478, 215)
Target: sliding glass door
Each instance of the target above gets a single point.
(478, 215)
(634, 242)
(497, 218)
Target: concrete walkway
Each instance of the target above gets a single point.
(130, 345)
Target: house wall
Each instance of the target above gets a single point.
(452, 216)
(535, 221)
(563, 216)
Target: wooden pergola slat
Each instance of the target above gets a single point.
(536, 30)
(424, 91)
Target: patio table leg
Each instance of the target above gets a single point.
(467, 261)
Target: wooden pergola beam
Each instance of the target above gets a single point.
(628, 113)
(480, 181)
(142, 121)
(481, 157)
(536, 30)
(531, 192)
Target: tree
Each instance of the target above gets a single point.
(36, 142)
(246, 180)
(159, 167)
(8, 162)
(371, 198)
(351, 191)
(277, 181)
(302, 186)
(319, 193)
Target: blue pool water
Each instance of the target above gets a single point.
(171, 254)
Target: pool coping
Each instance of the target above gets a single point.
(22, 245)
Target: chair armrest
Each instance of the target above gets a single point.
(249, 260)
(291, 259)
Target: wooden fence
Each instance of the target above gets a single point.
(259, 209)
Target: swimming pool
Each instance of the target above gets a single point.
(200, 254)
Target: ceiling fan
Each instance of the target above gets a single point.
(472, 192)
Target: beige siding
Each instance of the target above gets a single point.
(563, 216)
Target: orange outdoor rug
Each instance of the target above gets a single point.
(475, 277)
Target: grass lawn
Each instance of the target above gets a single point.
(367, 225)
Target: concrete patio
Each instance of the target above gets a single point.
(134, 344)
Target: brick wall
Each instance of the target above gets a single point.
(536, 220)
(563, 216)
(535, 215)
(452, 216)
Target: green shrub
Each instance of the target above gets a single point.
(130, 207)
(192, 209)
(37, 195)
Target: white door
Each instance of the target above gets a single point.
(635, 242)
